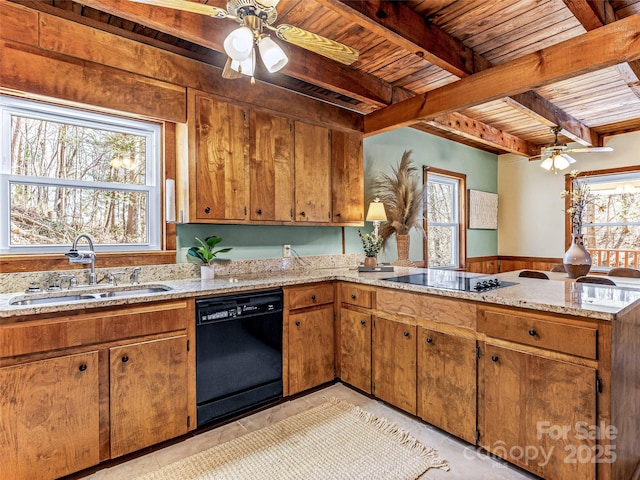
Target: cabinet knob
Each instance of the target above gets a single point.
(353, 296)
(313, 297)
(429, 339)
(363, 322)
(125, 359)
(406, 334)
(302, 214)
(82, 367)
(259, 211)
(297, 324)
(494, 358)
(532, 332)
(338, 215)
(207, 210)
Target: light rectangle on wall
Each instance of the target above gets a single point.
(483, 210)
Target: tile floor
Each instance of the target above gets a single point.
(465, 461)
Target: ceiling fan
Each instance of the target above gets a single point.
(254, 17)
(556, 156)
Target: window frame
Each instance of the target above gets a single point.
(461, 180)
(152, 189)
(569, 185)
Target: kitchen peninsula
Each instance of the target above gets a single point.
(537, 357)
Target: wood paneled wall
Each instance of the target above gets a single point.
(499, 264)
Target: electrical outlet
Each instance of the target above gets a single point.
(286, 250)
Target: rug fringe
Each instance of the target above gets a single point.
(393, 431)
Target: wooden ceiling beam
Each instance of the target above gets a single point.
(601, 48)
(459, 124)
(302, 65)
(399, 24)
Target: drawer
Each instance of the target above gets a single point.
(354, 295)
(308, 296)
(539, 331)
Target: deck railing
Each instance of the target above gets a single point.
(613, 257)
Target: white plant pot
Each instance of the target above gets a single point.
(207, 272)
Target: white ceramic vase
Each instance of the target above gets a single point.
(207, 272)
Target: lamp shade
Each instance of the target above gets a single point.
(376, 212)
(239, 44)
(272, 55)
(246, 66)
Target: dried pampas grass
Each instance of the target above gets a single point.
(401, 192)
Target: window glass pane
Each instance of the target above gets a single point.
(51, 215)
(440, 202)
(43, 148)
(613, 243)
(441, 245)
(611, 206)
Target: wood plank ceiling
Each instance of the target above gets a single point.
(421, 49)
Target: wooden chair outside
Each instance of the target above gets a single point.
(598, 280)
(558, 267)
(624, 272)
(533, 274)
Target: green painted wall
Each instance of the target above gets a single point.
(380, 152)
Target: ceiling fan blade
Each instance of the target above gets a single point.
(228, 72)
(535, 157)
(591, 149)
(186, 6)
(317, 43)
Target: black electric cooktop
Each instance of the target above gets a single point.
(451, 280)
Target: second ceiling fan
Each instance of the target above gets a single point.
(254, 17)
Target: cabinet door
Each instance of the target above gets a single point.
(148, 384)
(541, 405)
(271, 167)
(347, 178)
(313, 173)
(394, 363)
(311, 353)
(447, 382)
(49, 425)
(355, 349)
(222, 160)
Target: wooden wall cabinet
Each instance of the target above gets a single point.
(271, 167)
(394, 363)
(82, 388)
(309, 330)
(49, 421)
(447, 382)
(347, 178)
(221, 164)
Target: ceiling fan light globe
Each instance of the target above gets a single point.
(272, 55)
(547, 164)
(267, 3)
(239, 44)
(246, 66)
(560, 162)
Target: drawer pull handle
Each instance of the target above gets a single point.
(125, 359)
(313, 297)
(353, 296)
(303, 214)
(82, 367)
(363, 322)
(532, 332)
(406, 334)
(494, 358)
(429, 339)
(297, 324)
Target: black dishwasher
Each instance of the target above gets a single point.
(238, 353)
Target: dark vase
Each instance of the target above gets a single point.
(576, 260)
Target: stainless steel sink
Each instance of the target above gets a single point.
(109, 292)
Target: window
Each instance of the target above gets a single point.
(444, 221)
(65, 171)
(611, 226)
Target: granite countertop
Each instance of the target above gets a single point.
(558, 295)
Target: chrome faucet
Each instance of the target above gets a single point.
(84, 256)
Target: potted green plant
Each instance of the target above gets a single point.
(206, 252)
(372, 244)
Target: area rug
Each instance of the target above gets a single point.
(336, 440)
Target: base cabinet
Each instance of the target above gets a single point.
(535, 411)
(355, 349)
(148, 383)
(49, 423)
(447, 382)
(394, 363)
